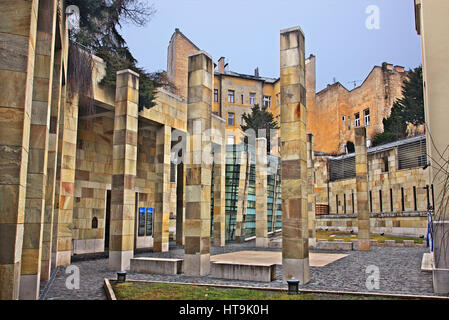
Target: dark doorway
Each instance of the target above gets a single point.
(107, 220)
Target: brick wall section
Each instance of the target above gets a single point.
(93, 177)
(378, 93)
(179, 49)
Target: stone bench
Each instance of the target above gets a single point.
(239, 271)
(156, 265)
(334, 245)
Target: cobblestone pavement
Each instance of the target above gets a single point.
(400, 272)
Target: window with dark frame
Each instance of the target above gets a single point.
(357, 120)
(366, 117)
(391, 200)
(231, 119)
(215, 95)
(252, 99)
(402, 200)
(380, 201)
(231, 96)
(415, 203)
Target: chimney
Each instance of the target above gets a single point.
(221, 65)
(399, 69)
(387, 66)
(256, 72)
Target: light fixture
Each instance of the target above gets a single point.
(293, 286)
(121, 276)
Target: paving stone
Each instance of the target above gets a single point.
(400, 272)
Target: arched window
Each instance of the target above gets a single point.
(94, 223)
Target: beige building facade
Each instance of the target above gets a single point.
(431, 23)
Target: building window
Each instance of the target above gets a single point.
(278, 99)
(94, 223)
(231, 96)
(215, 95)
(267, 101)
(252, 99)
(349, 122)
(231, 119)
(385, 164)
(344, 121)
(172, 172)
(368, 143)
(231, 140)
(357, 120)
(366, 117)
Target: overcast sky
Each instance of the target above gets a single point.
(246, 32)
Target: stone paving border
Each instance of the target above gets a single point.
(111, 294)
(400, 273)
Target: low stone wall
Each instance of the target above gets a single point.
(400, 224)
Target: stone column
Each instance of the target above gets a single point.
(38, 148)
(261, 193)
(180, 204)
(17, 53)
(241, 200)
(162, 213)
(123, 195)
(220, 188)
(65, 191)
(52, 157)
(295, 237)
(361, 171)
(311, 191)
(199, 164)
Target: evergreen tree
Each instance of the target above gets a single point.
(99, 34)
(406, 110)
(258, 119)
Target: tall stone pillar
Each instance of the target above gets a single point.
(361, 171)
(241, 200)
(295, 251)
(311, 191)
(220, 186)
(162, 214)
(123, 194)
(37, 157)
(17, 46)
(261, 193)
(65, 191)
(52, 157)
(199, 164)
(180, 204)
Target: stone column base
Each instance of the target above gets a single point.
(262, 242)
(45, 270)
(120, 260)
(62, 258)
(158, 247)
(441, 281)
(219, 242)
(29, 287)
(364, 245)
(197, 264)
(296, 268)
(312, 243)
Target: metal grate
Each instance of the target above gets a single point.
(412, 155)
(342, 168)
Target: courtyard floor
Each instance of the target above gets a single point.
(400, 272)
